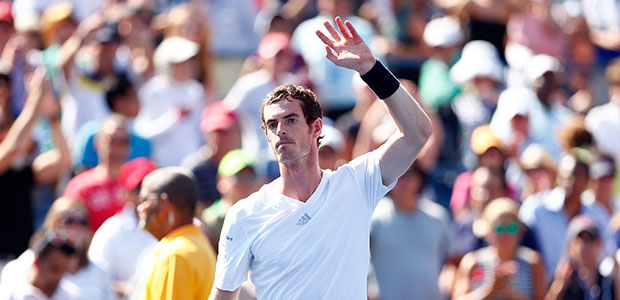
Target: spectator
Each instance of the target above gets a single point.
(545, 112)
(237, 179)
(444, 36)
(503, 270)
(604, 121)
(221, 126)
(600, 194)
(548, 213)
(480, 73)
(486, 185)
(119, 245)
(491, 154)
(99, 188)
(88, 280)
(52, 254)
(185, 262)
(171, 103)
(539, 169)
(423, 236)
(88, 60)
(122, 99)
(276, 60)
(580, 276)
(189, 21)
(17, 180)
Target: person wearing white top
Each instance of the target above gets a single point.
(171, 103)
(305, 235)
(42, 278)
(119, 245)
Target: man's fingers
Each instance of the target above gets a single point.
(332, 31)
(342, 28)
(352, 29)
(328, 42)
(330, 54)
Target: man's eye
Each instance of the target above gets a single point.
(271, 126)
(292, 121)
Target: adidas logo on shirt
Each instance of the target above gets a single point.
(303, 220)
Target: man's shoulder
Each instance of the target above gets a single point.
(83, 180)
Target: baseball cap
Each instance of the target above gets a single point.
(5, 12)
(233, 162)
(218, 115)
(443, 32)
(540, 64)
(478, 59)
(536, 156)
(174, 50)
(133, 171)
(27, 22)
(492, 212)
(601, 168)
(582, 223)
(483, 138)
(273, 43)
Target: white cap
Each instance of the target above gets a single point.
(478, 59)
(27, 22)
(174, 50)
(512, 103)
(332, 138)
(540, 64)
(443, 32)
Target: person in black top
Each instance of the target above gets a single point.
(18, 174)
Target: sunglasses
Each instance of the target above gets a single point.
(56, 240)
(71, 220)
(588, 237)
(510, 228)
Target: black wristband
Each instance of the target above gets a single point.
(381, 81)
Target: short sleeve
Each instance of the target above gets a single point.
(367, 174)
(234, 257)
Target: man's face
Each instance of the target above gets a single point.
(128, 104)
(51, 269)
(113, 143)
(147, 205)
(289, 137)
(226, 139)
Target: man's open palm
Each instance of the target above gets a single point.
(351, 51)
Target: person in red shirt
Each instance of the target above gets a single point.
(99, 188)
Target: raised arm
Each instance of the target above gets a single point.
(19, 131)
(348, 50)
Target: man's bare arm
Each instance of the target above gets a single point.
(348, 50)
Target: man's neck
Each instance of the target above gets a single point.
(572, 206)
(300, 179)
(35, 281)
(109, 169)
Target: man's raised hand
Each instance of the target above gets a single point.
(347, 49)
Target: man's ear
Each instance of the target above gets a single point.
(163, 206)
(317, 127)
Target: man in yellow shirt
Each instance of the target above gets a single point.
(185, 262)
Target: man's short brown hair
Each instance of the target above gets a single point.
(309, 104)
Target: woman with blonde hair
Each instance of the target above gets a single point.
(504, 269)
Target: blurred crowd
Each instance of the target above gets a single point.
(516, 195)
